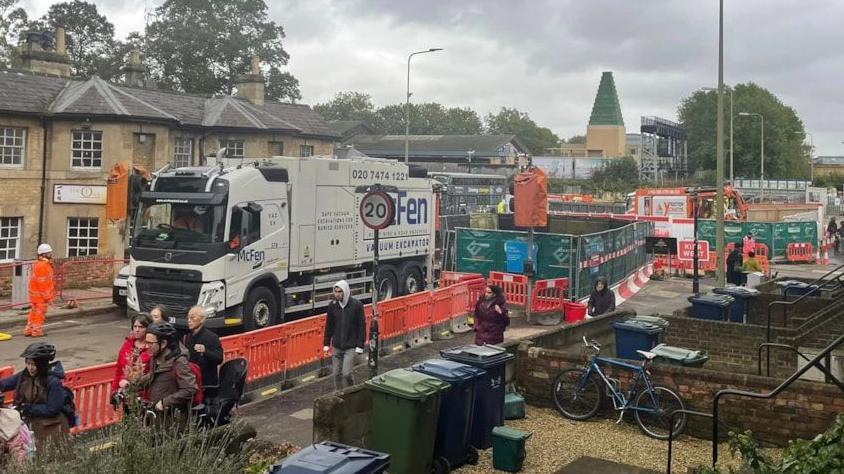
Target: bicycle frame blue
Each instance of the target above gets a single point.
(622, 400)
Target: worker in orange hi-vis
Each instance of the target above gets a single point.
(40, 291)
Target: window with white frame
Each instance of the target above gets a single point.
(306, 150)
(83, 236)
(183, 152)
(10, 237)
(12, 142)
(87, 149)
(234, 148)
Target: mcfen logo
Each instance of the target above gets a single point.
(475, 248)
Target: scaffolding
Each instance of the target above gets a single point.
(664, 151)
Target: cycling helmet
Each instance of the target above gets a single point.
(40, 350)
(162, 330)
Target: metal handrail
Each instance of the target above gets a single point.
(762, 396)
(786, 304)
(825, 370)
(671, 430)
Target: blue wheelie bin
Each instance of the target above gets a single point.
(633, 335)
(713, 307)
(743, 299)
(489, 399)
(332, 458)
(798, 288)
(454, 425)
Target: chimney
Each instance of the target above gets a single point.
(135, 70)
(38, 54)
(251, 86)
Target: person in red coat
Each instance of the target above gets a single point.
(491, 316)
(133, 354)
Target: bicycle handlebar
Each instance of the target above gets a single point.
(593, 344)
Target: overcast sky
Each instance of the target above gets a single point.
(546, 57)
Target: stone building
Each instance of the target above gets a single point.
(59, 136)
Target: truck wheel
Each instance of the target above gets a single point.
(412, 280)
(260, 309)
(386, 283)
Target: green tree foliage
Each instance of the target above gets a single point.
(512, 121)
(617, 175)
(281, 86)
(348, 105)
(12, 21)
(577, 139)
(202, 46)
(786, 155)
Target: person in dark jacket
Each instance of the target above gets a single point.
(491, 316)
(734, 265)
(205, 350)
(39, 394)
(170, 382)
(345, 332)
(602, 298)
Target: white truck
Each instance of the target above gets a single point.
(263, 243)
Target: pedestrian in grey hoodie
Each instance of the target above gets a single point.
(345, 333)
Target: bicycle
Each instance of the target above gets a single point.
(578, 394)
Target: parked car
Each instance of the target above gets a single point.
(118, 288)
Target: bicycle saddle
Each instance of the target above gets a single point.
(647, 355)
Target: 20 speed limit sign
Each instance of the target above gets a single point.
(377, 210)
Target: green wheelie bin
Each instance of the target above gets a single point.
(405, 407)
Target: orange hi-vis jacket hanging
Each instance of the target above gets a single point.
(41, 287)
(531, 195)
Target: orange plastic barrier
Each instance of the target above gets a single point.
(514, 286)
(418, 312)
(549, 295)
(800, 252)
(92, 391)
(453, 278)
(463, 298)
(304, 341)
(761, 250)
(391, 317)
(265, 350)
(441, 304)
(5, 372)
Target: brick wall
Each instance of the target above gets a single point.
(77, 272)
(802, 411)
(732, 347)
(758, 310)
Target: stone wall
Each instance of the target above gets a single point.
(344, 417)
(802, 411)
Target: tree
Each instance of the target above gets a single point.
(512, 121)
(90, 37)
(618, 175)
(348, 105)
(786, 155)
(282, 85)
(202, 46)
(429, 118)
(577, 139)
(12, 21)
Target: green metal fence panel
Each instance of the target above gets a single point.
(794, 232)
(556, 256)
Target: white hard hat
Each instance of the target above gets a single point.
(44, 248)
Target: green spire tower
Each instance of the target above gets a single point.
(606, 110)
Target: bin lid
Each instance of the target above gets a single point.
(655, 320)
(333, 458)
(679, 354)
(480, 356)
(637, 326)
(740, 291)
(510, 433)
(406, 383)
(448, 370)
(795, 284)
(722, 301)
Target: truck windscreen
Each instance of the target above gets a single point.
(179, 225)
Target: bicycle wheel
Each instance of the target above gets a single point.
(654, 408)
(573, 403)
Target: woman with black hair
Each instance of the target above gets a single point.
(39, 394)
(491, 316)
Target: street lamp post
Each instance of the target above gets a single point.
(762, 128)
(712, 89)
(719, 165)
(407, 103)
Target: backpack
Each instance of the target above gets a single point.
(69, 407)
(197, 394)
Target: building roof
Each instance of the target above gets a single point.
(829, 160)
(606, 109)
(33, 94)
(444, 146)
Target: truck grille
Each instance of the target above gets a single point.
(177, 297)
